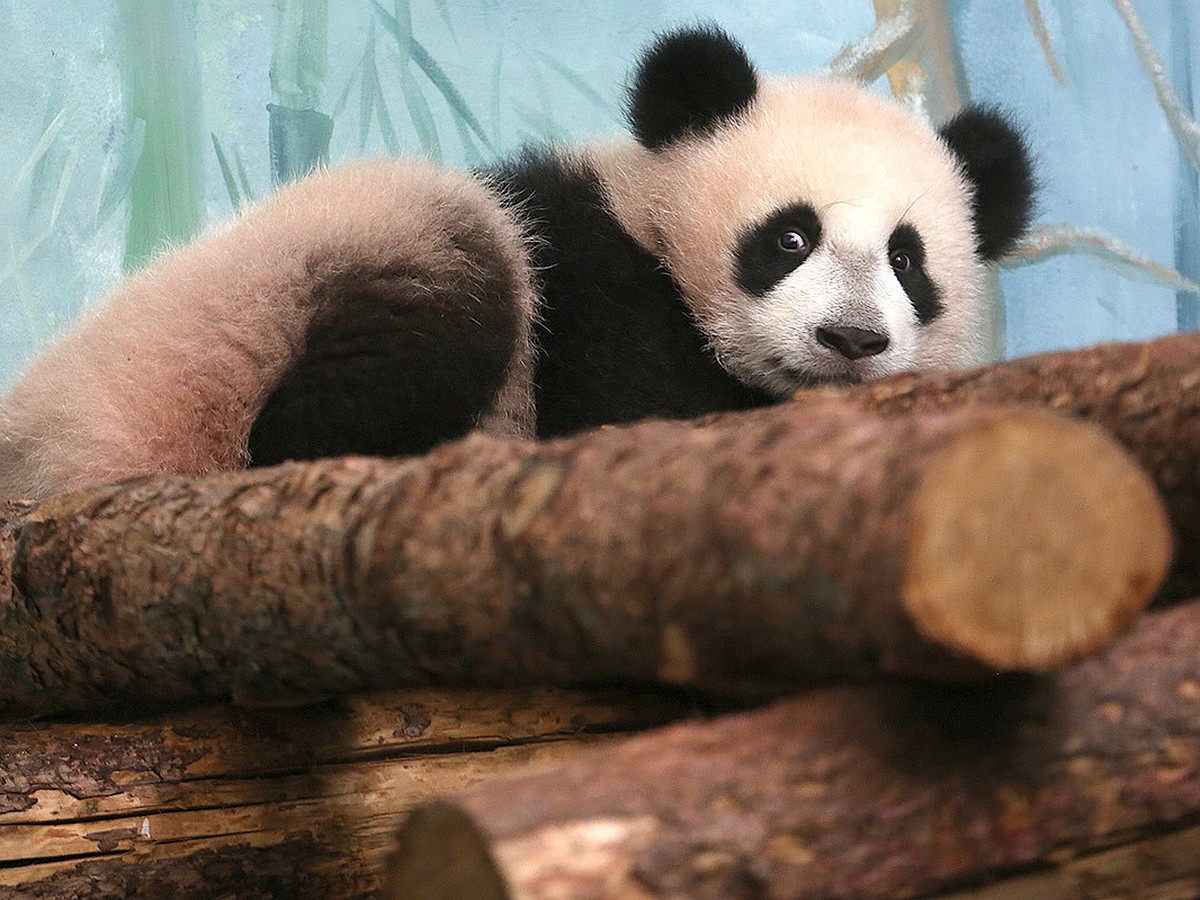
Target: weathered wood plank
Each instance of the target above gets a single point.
(225, 788)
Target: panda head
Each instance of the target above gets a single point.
(819, 233)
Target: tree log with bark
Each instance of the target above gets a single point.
(1084, 784)
(1145, 394)
(766, 550)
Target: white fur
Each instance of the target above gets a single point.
(169, 371)
(865, 165)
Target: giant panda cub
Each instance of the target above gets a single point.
(755, 236)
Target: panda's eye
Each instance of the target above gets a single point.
(794, 242)
(901, 261)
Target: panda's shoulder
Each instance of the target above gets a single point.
(547, 183)
(563, 202)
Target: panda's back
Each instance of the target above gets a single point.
(615, 340)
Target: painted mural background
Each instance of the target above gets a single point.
(129, 125)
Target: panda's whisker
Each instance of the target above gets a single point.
(853, 204)
(904, 214)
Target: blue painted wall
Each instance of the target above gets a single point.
(531, 70)
(1107, 158)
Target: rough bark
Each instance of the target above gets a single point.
(890, 790)
(300, 802)
(766, 550)
(1146, 394)
(1082, 784)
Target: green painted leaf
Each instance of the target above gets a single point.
(243, 179)
(418, 107)
(443, 7)
(40, 177)
(231, 187)
(45, 142)
(422, 118)
(543, 126)
(470, 148)
(64, 184)
(432, 70)
(447, 89)
(28, 299)
(383, 115)
(345, 94)
(575, 80)
(404, 29)
(497, 89)
(117, 175)
(369, 88)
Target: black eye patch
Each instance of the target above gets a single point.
(906, 253)
(775, 247)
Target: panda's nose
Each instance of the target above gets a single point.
(851, 342)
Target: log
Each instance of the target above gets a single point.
(232, 801)
(1016, 787)
(1145, 394)
(762, 552)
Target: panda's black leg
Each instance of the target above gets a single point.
(400, 359)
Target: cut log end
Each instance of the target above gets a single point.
(1035, 541)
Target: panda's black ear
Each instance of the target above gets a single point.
(996, 161)
(689, 81)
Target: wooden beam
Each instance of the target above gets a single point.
(207, 801)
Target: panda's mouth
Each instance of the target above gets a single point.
(803, 379)
(809, 380)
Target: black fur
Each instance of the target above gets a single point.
(395, 361)
(690, 81)
(997, 162)
(762, 262)
(922, 293)
(615, 341)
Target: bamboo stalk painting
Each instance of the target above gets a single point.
(159, 79)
